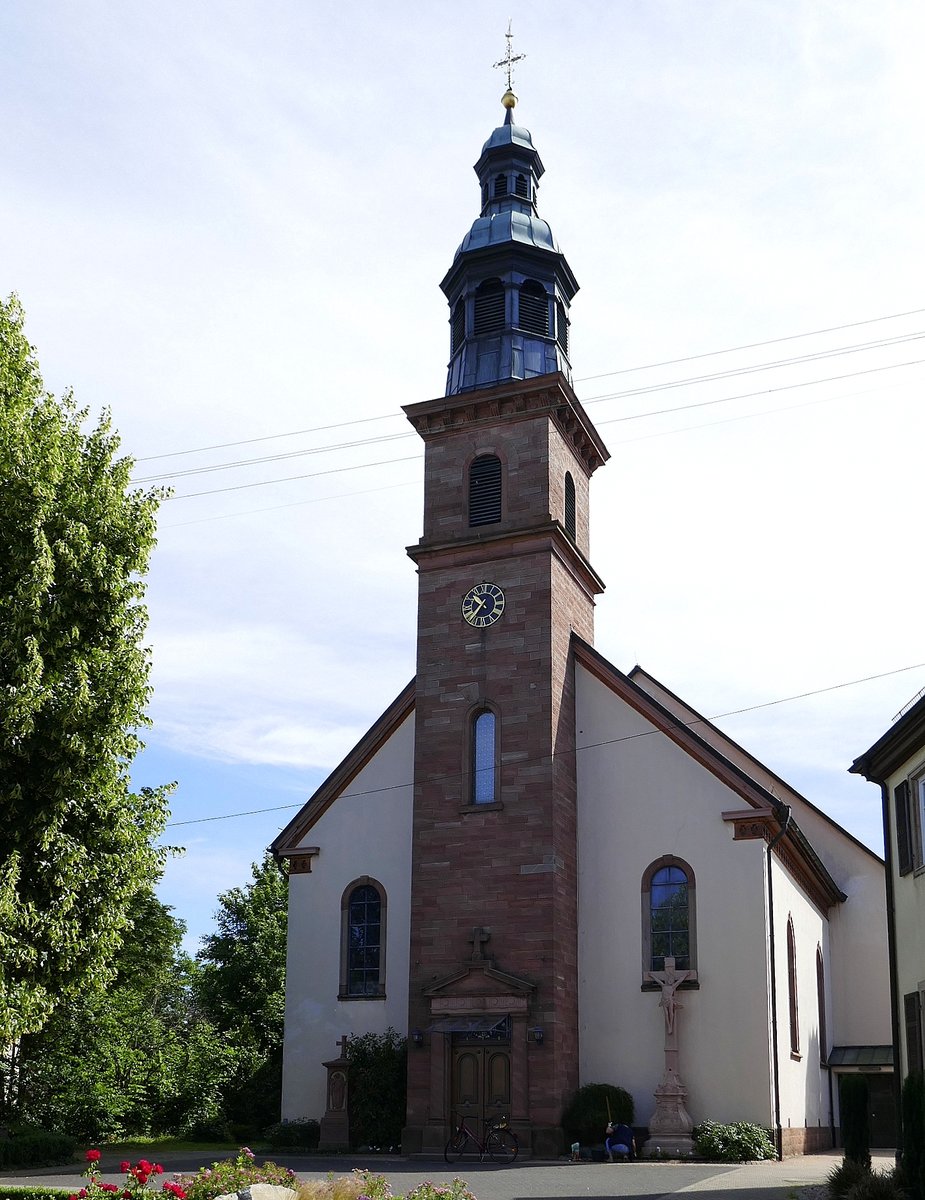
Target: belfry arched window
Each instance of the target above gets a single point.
(534, 308)
(792, 989)
(489, 307)
(485, 490)
(362, 960)
(520, 187)
(500, 185)
(668, 915)
(561, 326)
(484, 757)
(570, 505)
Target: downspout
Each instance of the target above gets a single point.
(894, 980)
(783, 814)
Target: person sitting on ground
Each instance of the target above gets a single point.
(619, 1141)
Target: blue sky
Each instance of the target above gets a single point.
(228, 222)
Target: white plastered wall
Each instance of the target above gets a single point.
(642, 797)
(366, 831)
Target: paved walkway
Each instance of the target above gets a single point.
(528, 1180)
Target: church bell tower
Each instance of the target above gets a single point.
(504, 579)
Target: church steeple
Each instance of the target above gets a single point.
(510, 287)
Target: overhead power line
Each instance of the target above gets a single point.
(630, 737)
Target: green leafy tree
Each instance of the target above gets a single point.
(241, 987)
(135, 1056)
(77, 842)
(378, 1084)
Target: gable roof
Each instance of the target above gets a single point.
(904, 738)
(287, 842)
(764, 808)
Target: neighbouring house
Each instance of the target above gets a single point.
(896, 762)
(522, 839)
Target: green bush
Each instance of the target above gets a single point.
(234, 1175)
(738, 1142)
(12, 1192)
(877, 1185)
(586, 1114)
(841, 1179)
(855, 1122)
(913, 1156)
(294, 1135)
(377, 1084)
(39, 1149)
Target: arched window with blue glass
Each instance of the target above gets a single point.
(668, 915)
(484, 773)
(362, 966)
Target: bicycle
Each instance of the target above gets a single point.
(500, 1144)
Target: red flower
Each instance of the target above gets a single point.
(176, 1190)
(93, 1156)
(144, 1165)
(126, 1195)
(109, 1187)
(125, 1166)
(82, 1193)
(158, 1169)
(142, 1177)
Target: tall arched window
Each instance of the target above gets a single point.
(489, 307)
(500, 185)
(792, 989)
(485, 490)
(570, 505)
(520, 186)
(458, 326)
(362, 962)
(484, 757)
(820, 1001)
(668, 915)
(534, 308)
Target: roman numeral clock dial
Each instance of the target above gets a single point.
(483, 605)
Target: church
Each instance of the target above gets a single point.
(543, 871)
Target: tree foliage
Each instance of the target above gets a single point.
(241, 987)
(77, 842)
(132, 1057)
(377, 1091)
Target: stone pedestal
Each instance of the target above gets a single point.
(335, 1124)
(671, 1125)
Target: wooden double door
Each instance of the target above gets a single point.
(480, 1082)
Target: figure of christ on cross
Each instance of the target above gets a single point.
(669, 981)
(480, 936)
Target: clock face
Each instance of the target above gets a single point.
(483, 604)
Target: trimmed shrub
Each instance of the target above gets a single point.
(376, 1090)
(234, 1175)
(38, 1149)
(841, 1179)
(855, 1122)
(294, 1135)
(738, 1142)
(586, 1115)
(913, 1156)
(13, 1192)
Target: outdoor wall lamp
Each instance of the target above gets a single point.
(537, 1034)
(417, 1036)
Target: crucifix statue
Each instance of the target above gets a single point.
(671, 1125)
(480, 936)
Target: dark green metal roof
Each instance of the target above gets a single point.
(861, 1056)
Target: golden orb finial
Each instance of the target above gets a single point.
(509, 99)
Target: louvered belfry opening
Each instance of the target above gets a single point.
(500, 185)
(534, 308)
(561, 326)
(458, 326)
(520, 187)
(485, 490)
(489, 307)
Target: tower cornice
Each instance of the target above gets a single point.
(523, 400)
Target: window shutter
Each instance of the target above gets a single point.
(570, 505)
(489, 307)
(903, 828)
(485, 490)
(534, 308)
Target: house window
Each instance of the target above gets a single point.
(485, 490)
(909, 819)
(820, 1000)
(489, 307)
(362, 971)
(668, 926)
(912, 1013)
(570, 505)
(792, 990)
(534, 308)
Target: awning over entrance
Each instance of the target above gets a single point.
(861, 1057)
(467, 1024)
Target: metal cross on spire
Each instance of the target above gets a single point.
(507, 63)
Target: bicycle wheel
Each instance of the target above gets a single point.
(502, 1145)
(455, 1146)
